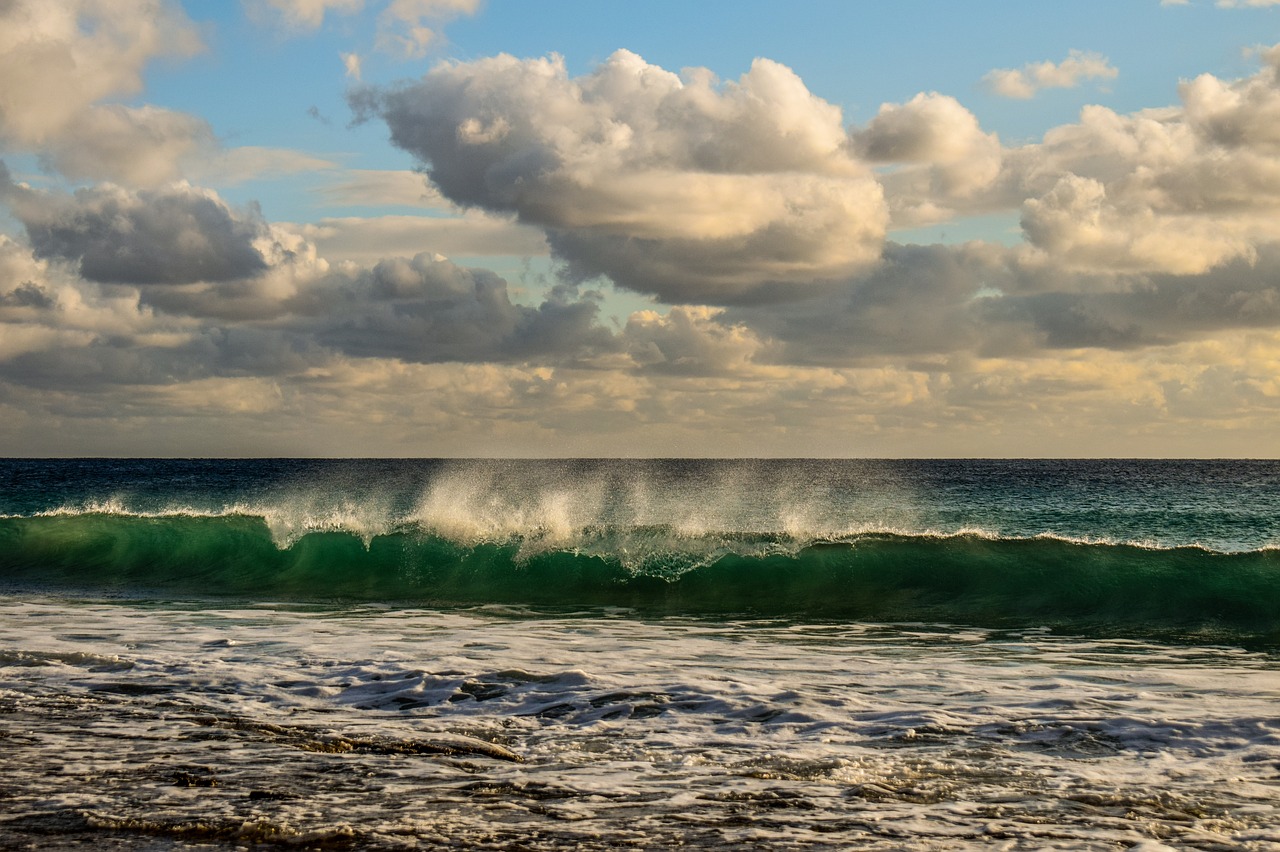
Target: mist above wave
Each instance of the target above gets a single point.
(619, 506)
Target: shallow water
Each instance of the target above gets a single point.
(172, 725)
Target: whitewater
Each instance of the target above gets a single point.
(588, 654)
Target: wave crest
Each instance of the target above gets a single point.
(964, 577)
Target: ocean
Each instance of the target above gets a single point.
(647, 654)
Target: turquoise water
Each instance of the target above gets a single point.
(936, 655)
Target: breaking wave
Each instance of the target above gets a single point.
(966, 576)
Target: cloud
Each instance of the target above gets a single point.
(382, 188)
(1140, 314)
(445, 358)
(1077, 222)
(351, 63)
(248, 162)
(1179, 190)
(366, 240)
(942, 158)
(139, 146)
(46, 308)
(990, 301)
(178, 235)
(59, 62)
(410, 28)
(300, 14)
(56, 59)
(680, 186)
(691, 341)
(428, 309)
(1026, 82)
(1243, 114)
(406, 28)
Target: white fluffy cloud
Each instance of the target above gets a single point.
(670, 184)
(1183, 189)
(59, 60)
(62, 64)
(942, 157)
(1027, 81)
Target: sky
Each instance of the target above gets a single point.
(835, 228)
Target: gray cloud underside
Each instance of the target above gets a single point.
(107, 361)
(174, 236)
(987, 300)
(921, 301)
(430, 310)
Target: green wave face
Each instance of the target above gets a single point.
(969, 579)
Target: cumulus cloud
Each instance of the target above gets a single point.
(1179, 190)
(1244, 114)
(46, 309)
(991, 301)
(942, 157)
(920, 300)
(1147, 287)
(178, 235)
(58, 60)
(139, 146)
(61, 63)
(692, 341)
(676, 185)
(1025, 82)
(979, 332)
(429, 309)
(1077, 222)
